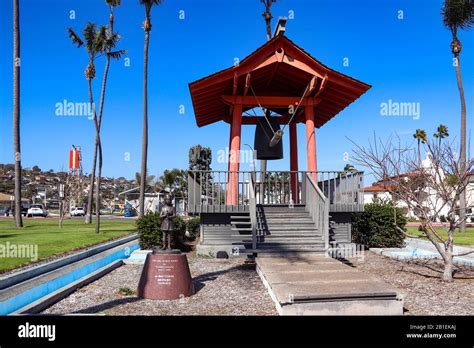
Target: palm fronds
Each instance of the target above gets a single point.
(75, 38)
(90, 36)
(113, 3)
(458, 14)
(117, 54)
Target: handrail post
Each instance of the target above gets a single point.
(253, 210)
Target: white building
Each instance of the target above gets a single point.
(380, 191)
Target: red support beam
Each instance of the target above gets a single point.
(269, 101)
(311, 141)
(294, 163)
(234, 154)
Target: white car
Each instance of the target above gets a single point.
(37, 210)
(78, 211)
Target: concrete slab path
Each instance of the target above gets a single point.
(320, 285)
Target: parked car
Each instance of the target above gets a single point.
(4, 211)
(78, 211)
(105, 211)
(24, 210)
(37, 210)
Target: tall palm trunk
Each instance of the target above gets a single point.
(16, 111)
(263, 163)
(147, 27)
(96, 147)
(462, 197)
(88, 218)
(98, 144)
(268, 21)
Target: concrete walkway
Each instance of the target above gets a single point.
(417, 249)
(320, 285)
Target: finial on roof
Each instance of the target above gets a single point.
(280, 27)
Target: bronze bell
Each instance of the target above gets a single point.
(266, 150)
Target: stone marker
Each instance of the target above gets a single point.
(165, 276)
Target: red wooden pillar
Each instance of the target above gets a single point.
(294, 163)
(234, 154)
(311, 141)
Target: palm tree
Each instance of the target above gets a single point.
(95, 42)
(16, 111)
(420, 136)
(442, 132)
(148, 182)
(110, 44)
(147, 28)
(459, 14)
(171, 179)
(267, 15)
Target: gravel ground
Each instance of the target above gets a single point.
(224, 287)
(230, 287)
(424, 292)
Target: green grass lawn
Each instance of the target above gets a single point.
(466, 238)
(52, 240)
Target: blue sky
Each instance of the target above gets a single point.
(405, 60)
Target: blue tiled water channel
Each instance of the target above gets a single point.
(23, 299)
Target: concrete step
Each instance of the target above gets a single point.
(291, 241)
(283, 213)
(293, 235)
(292, 249)
(283, 208)
(239, 217)
(296, 223)
(289, 245)
(240, 223)
(284, 216)
(272, 229)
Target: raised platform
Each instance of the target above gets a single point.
(320, 285)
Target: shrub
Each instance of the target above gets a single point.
(375, 227)
(150, 235)
(194, 227)
(149, 232)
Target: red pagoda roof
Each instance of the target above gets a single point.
(278, 72)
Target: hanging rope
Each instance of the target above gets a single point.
(297, 107)
(263, 110)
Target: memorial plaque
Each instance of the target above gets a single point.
(165, 276)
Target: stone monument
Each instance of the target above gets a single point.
(166, 274)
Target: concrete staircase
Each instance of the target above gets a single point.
(285, 231)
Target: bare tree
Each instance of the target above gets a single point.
(430, 188)
(71, 193)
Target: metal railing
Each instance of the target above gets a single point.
(208, 191)
(317, 204)
(253, 211)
